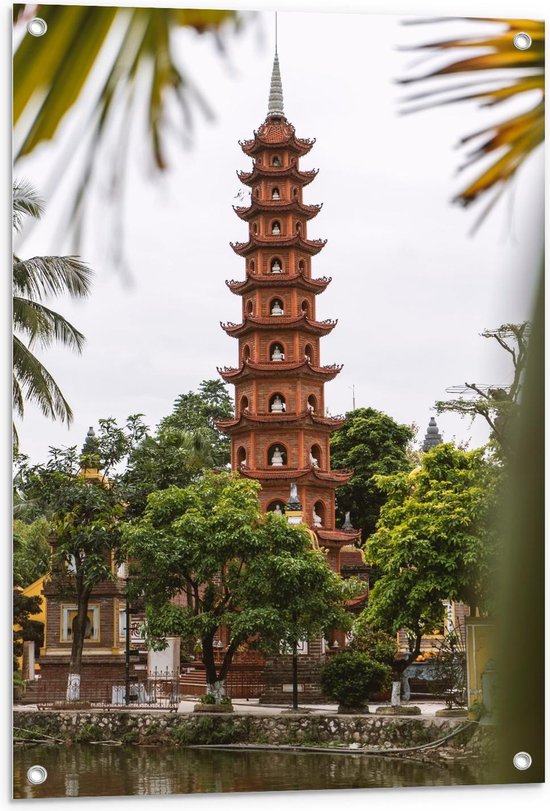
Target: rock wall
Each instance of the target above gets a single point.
(187, 729)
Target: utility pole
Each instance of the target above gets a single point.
(352, 387)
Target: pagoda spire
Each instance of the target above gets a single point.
(276, 104)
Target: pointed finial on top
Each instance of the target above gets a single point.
(275, 106)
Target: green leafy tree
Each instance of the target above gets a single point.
(185, 445)
(379, 645)
(369, 443)
(435, 540)
(497, 404)
(25, 628)
(31, 551)
(85, 518)
(237, 567)
(36, 325)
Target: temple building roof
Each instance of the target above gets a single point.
(275, 368)
(260, 170)
(311, 246)
(433, 437)
(258, 206)
(278, 322)
(288, 419)
(334, 478)
(298, 280)
(276, 131)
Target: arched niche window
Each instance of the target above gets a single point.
(277, 507)
(276, 161)
(318, 514)
(256, 192)
(315, 456)
(276, 351)
(249, 307)
(275, 193)
(243, 406)
(255, 228)
(276, 455)
(308, 353)
(295, 192)
(275, 228)
(298, 227)
(252, 266)
(246, 353)
(304, 306)
(276, 266)
(241, 456)
(276, 307)
(277, 403)
(301, 265)
(312, 403)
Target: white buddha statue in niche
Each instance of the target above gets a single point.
(276, 308)
(277, 458)
(276, 229)
(312, 460)
(276, 266)
(278, 510)
(277, 353)
(317, 520)
(278, 406)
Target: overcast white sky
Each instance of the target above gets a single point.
(411, 289)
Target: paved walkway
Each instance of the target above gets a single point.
(253, 706)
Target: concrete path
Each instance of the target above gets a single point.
(254, 707)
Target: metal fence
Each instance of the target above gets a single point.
(159, 690)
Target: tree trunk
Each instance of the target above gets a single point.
(78, 633)
(212, 680)
(396, 693)
(216, 689)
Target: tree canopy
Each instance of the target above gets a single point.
(253, 574)
(369, 443)
(435, 540)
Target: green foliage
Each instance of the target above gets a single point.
(369, 443)
(253, 574)
(186, 443)
(207, 698)
(204, 731)
(435, 539)
(31, 551)
(351, 677)
(34, 324)
(380, 646)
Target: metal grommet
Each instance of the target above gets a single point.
(37, 775)
(522, 41)
(37, 27)
(522, 761)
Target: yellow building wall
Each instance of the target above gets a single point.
(34, 590)
(479, 649)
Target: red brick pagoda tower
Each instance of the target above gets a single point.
(280, 434)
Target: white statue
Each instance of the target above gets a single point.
(276, 308)
(317, 520)
(277, 406)
(276, 230)
(312, 460)
(243, 461)
(277, 353)
(276, 266)
(278, 510)
(275, 194)
(277, 458)
(310, 407)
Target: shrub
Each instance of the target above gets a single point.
(351, 677)
(207, 698)
(378, 645)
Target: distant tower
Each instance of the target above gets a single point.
(280, 434)
(433, 437)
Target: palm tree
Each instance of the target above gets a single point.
(34, 323)
(493, 72)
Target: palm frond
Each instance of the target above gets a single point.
(521, 72)
(25, 201)
(52, 276)
(44, 326)
(116, 50)
(33, 382)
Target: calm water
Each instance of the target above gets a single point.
(84, 771)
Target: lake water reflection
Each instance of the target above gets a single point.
(92, 771)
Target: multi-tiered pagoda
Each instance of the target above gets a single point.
(280, 434)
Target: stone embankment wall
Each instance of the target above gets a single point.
(171, 729)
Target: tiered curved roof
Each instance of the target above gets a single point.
(311, 246)
(274, 368)
(337, 536)
(277, 206)
(334, 478)
(278, 322)
(247, 420)
(303, 177)
(299, 279)
(276, 131)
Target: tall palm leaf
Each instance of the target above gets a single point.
(496, 73)
(110, 54)
(34, 323)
